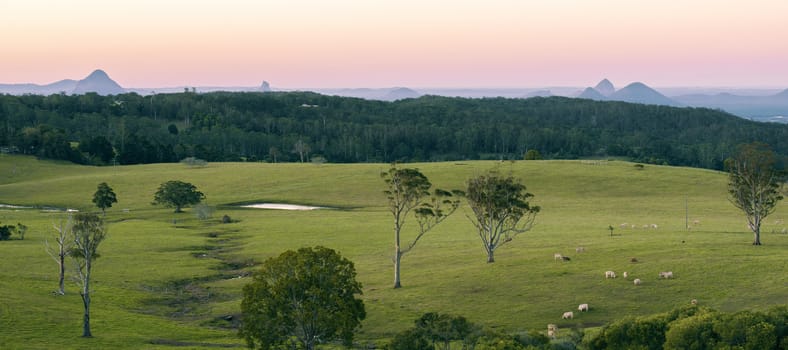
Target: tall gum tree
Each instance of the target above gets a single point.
(501, 210)
(88, 232)
(408, 190)
(754, 184)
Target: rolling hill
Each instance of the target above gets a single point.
(168, 280)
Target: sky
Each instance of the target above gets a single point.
(386, 43)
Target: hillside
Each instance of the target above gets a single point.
(133, 129)
(166, 279)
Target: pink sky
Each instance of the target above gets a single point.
(368, 43)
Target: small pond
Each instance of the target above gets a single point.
(280, 206)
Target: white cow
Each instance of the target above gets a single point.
(637, 281)
(582, 307)
(568, 314)
(610, 274)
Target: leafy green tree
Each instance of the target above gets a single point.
(6, 231)
(753, 184)
(88, 232)
(501, 210)
(177, 194)
(533, 154)
(408, 190)
(410, 339)
(308, 295)
(104, 197)
(99, 148)
(21, 230)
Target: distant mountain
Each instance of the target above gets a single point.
(265, 87)
(766, 108)
(592, 94)
(640, 93)
(98, 82)
(605, 87)
(63, 86)
(539, 93)
(400, 94)
(381, 94)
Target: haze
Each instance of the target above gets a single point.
(355, 43)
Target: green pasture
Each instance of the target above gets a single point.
(168, 280)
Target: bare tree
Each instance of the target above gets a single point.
(302, 148)
(59, 254)
(754, 184)
(500, 210)
(88, 232)
(409, 190)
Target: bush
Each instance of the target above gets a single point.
(6, 231)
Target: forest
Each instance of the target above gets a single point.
(304, 126)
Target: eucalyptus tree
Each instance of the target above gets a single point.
(501, 210)
(408, 190)
(88, 232)
(754, 184)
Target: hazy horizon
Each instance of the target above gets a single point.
(314, 44)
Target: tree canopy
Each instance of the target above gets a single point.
(306, 296)
(226, 126)
(501, 210)
(104, 197)
(754, 184)
(177, 194)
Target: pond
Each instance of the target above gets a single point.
(281, 206)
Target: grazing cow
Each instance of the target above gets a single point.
(636, 281)
(568, 315)
(551, 334)
(694, 301)
(666, 274)
(610, 274)
(565, 258)
(557, 256)
(580, 249)
(582, 307)
(626, 274)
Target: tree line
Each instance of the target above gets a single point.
(301, 126)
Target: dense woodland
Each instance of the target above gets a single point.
(303, 126)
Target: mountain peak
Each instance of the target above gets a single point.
(99, 82)
(98, 74)
(641, 93)
(605, 87)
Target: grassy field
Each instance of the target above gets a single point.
(168, 280)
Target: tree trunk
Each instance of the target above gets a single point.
(757, 237)
(62, 285)
(397, 258)
(86, 318)
(490, 256)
